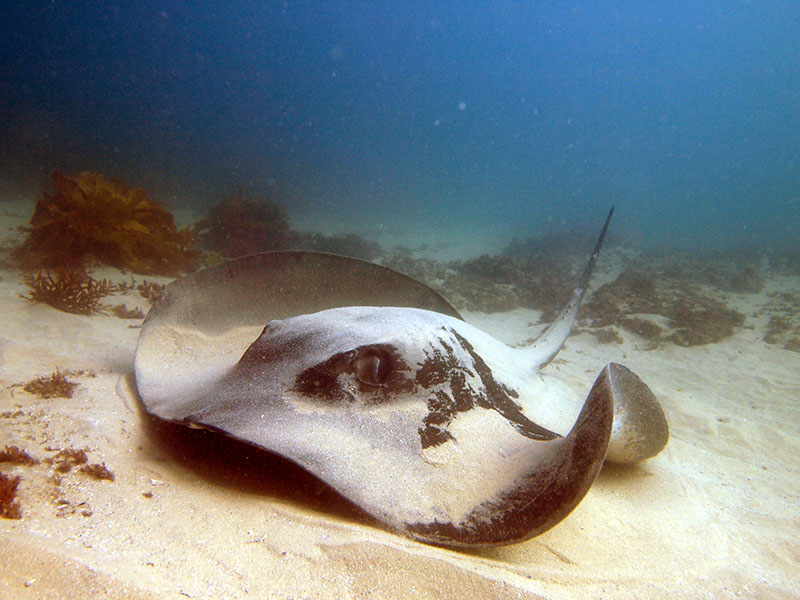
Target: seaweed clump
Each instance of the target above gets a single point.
(150, 290)
(491, 283)
(736, 270)
(787, 260)
(17, 456)
(90, 217)
(531, 273)
(52, 386)
(123, 312)
(72, 291)
(68, 458)
(783, 328)
(499, 283)
(9, 506)
(98, 471)
(241, 225)
(633, 292)
(557, 251)
(432, 272)
(701, 320)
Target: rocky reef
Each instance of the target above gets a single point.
(683, 298)
(635, 300)
(240, 224)
(783, 327)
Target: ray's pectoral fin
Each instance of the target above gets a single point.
(640, 429)
(559, 475)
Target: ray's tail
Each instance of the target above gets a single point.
(545, 348)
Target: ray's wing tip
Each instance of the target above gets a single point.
(559, 478)
(641, 425)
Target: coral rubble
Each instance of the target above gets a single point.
(90, 217)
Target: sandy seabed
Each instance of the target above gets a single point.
(189, 514)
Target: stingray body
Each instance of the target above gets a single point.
(372, 382)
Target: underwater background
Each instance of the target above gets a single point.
(478, 148)
(494, 119)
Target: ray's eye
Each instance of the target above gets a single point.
(372, 366)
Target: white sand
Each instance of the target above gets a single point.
(716, 515)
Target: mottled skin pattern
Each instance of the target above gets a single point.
(444, 367)
(382, 375)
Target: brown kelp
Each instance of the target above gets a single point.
(90, 217)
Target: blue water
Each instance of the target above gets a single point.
(520, 116)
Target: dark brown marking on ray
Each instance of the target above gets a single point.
(436, 421)
(439, 369)
(500, 397)
(443, 367)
